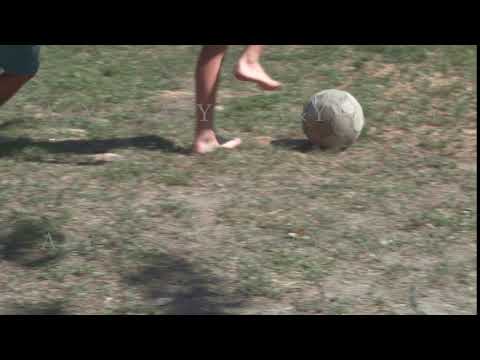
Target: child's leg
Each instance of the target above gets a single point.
(10, 84)
(207, 80)
(248, 68)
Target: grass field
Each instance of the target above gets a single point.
(103, 211)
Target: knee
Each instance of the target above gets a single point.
(20, 80)
(11, 84)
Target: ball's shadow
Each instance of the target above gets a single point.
(301, 145)
(304, 146)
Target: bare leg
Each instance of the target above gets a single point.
(10, 84)
(207, 80)
(249, 68)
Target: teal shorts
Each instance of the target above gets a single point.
(19, 59)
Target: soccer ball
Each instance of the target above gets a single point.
(333, 119)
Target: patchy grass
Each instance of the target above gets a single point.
(104, 212)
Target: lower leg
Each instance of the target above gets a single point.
(249, 68)
(10, 84)
(207, 79)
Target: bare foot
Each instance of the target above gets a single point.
(207, 141)
(254, 72)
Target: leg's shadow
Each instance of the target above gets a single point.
(11, 146)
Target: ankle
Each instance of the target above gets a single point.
(249, 60)
(205, 134)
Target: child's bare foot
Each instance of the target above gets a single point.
(207, 141)
(254, 72)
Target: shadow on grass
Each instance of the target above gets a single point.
(31, 243)
(305, 146)
(13, 146)
(171, 286)
(56, 307)
(301, 145)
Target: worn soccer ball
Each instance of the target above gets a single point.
(333, 119)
